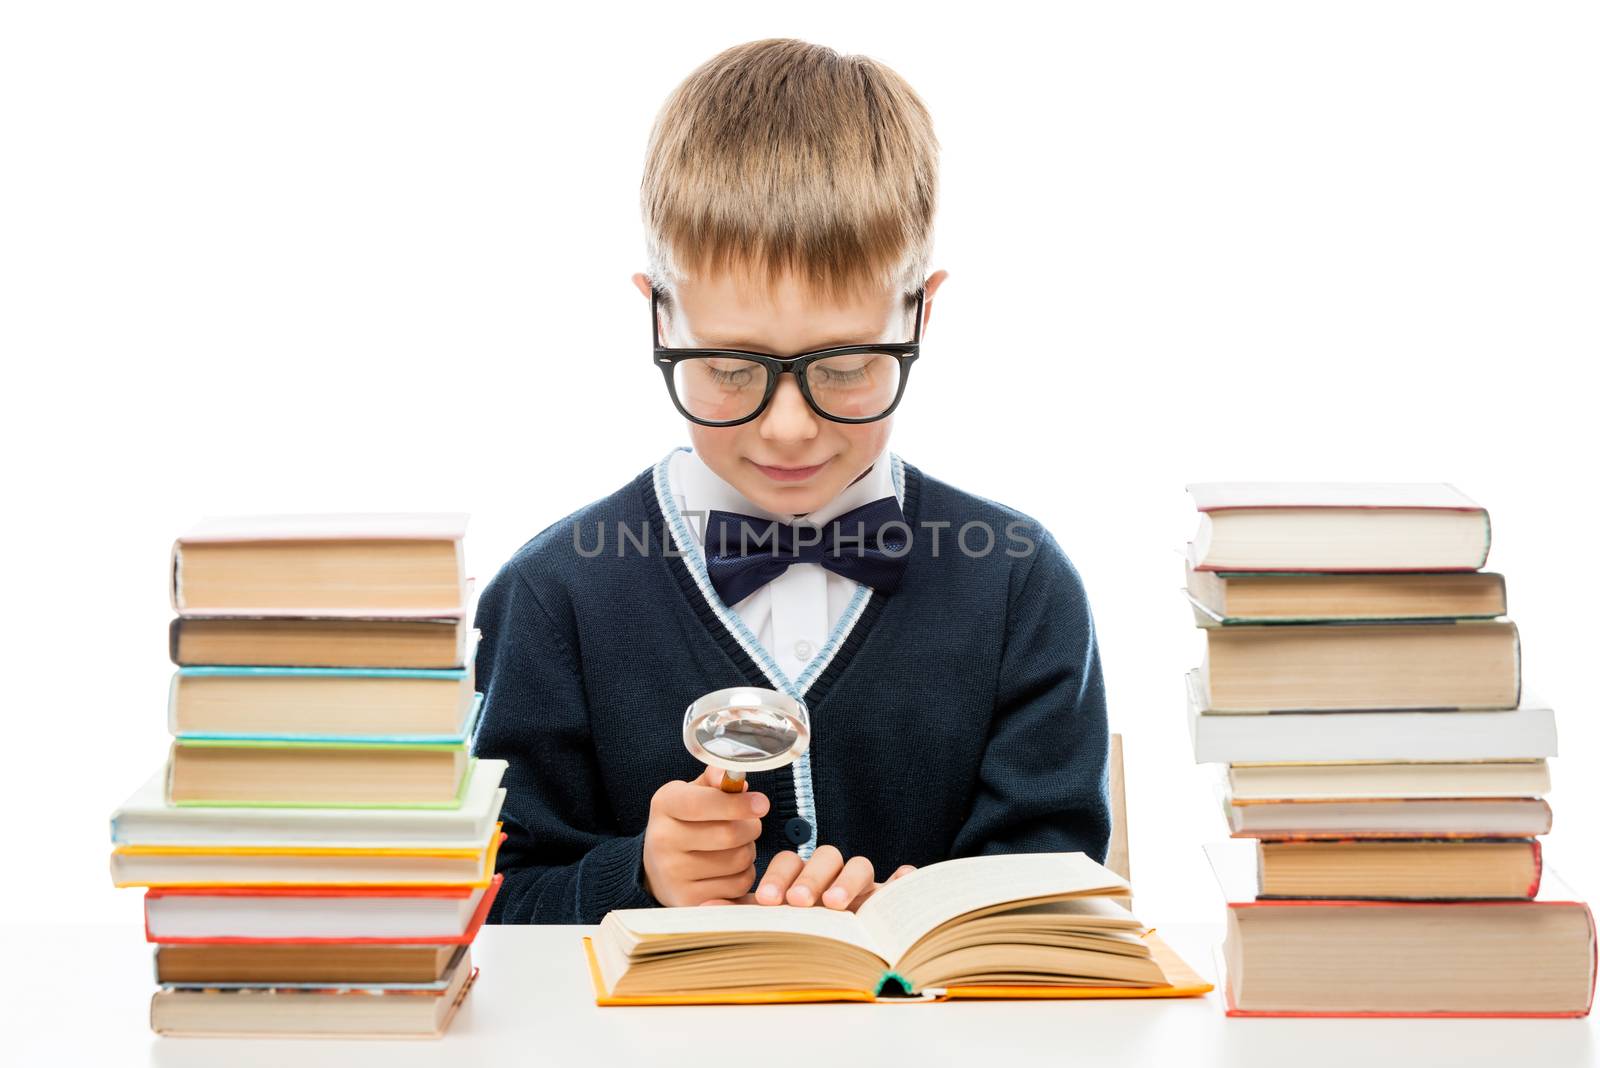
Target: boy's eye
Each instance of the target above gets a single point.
(840, 376)
(840, 372)
(733, 374)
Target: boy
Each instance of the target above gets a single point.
(942, 643)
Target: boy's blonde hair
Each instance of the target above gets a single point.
(782, 156)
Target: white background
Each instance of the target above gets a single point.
(336, 256)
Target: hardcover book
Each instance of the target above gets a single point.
(1383, 817)
(376, 864)
(324, 914)
(1337, 526)
(1423, 869)
(1420, 779)
(1229, 598)
(1356, 957)
(206, 963)
(318, 774)
(1337, 667)
(1527, 732)
(313, 1011)
(359, 565)
(146, 819)
(319, 641)
(414, 704)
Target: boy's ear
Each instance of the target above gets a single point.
(641, 282)
(931, 286)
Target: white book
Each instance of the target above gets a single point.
(1527, 732)
(428, 914)
(146, 819)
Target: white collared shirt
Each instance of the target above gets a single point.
(793, 614)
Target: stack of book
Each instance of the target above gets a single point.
(319, 849)
(1363, 687)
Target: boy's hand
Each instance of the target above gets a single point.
(700, 842)
(824, 879)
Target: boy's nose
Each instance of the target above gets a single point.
(788, 417)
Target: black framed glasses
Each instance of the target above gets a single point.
(845, 383)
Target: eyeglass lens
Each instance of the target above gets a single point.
(857, 385)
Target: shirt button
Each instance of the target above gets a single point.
(798, 830)
(803, 650)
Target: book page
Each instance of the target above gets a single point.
(911, 906)
(742, 919)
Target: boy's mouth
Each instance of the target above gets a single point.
(789, 474)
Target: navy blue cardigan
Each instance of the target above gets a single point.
(962, 714)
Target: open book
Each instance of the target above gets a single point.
(1019, 925)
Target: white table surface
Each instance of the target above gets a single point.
(80, 995)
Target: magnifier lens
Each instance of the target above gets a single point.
(746, 728)
(746, 734)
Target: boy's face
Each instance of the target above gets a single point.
(789, 460)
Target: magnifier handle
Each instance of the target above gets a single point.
(732, 782)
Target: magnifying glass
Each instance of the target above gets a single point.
(744, 729)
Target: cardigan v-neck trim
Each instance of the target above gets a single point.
(692, 554)
(743, 648)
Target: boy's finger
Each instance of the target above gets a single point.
(748, 899)
(904, 869)
(716, 863)
(713, 777)
(779, 877)
(726, 888)
(818, 875)
(714, 836)
(851, 883)
(693, 802)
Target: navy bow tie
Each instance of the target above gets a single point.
(867, 544)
